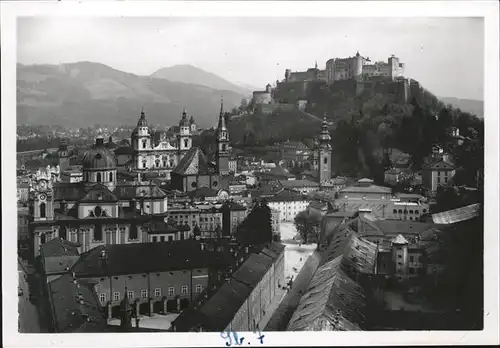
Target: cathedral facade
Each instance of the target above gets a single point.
(161, 157)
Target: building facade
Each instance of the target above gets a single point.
(161, 157)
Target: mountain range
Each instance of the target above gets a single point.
(475, 107)
(194, 75)
(86, 93)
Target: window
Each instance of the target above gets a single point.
(170, 238)
(97, 233)
(144, 293)
(171, 291)
(411, 258)
(417, 212)
(116, 296)
(154, 239)
(424, 211)
(133, 232)
(199, 288)
(43, 210)
(411, 211)
(130, 295)
(162, 238)
(144, 144)
(445, 179)
(102, 297)
(400, 211)
(186, 142)
(411, 270)
(157, 292)
(98, 177)
(184, 289)
(325, 160)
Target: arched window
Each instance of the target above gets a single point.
(395, 211)
(406, 211)
(325, 160)
(98, 177)
(43, 212)
(400, 211)
(411, 211)
(110, 176)
(223, 147)
(144, 144)
(43, 238)
(186, 142)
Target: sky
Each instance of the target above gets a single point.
(446, 55)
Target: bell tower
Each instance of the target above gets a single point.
(324, 151)
(41, 196)
(223, 148)
(63, 154)
(184, 137)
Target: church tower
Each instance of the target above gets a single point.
(63, 155)
(141, 142)
(324, 154)
(184, 138)
(41, 196)
(222, 139)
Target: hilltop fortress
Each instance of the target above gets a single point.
(352, 75)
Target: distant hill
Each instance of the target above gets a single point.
(475, 107)
(192, 74)
(85, 93)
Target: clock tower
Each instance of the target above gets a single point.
(223, 147)
(41, 196)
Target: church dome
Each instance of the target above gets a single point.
(99, 157)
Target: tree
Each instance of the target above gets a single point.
(243, 104)
(257, 227)
(308, 226)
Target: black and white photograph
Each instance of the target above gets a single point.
(245, 176)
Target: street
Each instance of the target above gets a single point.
(28, 313)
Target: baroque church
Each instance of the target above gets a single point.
(102, 210)
(161, 157)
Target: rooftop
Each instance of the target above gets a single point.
(151, 257)
(75, 307)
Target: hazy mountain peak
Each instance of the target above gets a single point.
(187, 73)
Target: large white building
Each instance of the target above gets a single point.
(164, 156)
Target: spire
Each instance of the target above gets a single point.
(142, 120)
(316, 65)
(222, 120)
(325, 138)
(357, 53)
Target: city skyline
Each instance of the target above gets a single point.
(440, 53)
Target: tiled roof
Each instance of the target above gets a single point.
(75, 307)
(161, 227)
(59, 247)
(332, 302)
(150, 257)
(99, 192)
(368, 189)
(360, 256)
(252, 271)
(194, 162)
(457, 215)
(298, 183)
(399, 239)
(234, 206)
(129, 191)
(204, 192)
(286, 196)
